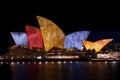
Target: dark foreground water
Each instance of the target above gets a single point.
(60, 71)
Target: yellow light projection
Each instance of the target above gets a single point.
(87, 44)
(97, 45)
(60, 43)
(52, 34)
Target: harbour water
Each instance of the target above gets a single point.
(60, 70)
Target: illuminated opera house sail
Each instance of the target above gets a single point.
(75, 39)
(34, 37)
(87, 44)
(52, 35)
(20, 38)
(97, 45)
(49, 35)
(48, 41)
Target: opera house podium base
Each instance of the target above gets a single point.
(27, 60)
(25, 55)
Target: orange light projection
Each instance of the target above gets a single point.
(52, 34)
(97, 45)
(87, 44)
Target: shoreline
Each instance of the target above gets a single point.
(56, 60)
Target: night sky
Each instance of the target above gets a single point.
(68, 19)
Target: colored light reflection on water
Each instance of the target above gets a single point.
(60, 70)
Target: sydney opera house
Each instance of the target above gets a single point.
(50, 42)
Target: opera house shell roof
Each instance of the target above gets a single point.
(34, 37)
(97, 45)
(75, 39)
(20, 38)
(49, 35)
(52, 35)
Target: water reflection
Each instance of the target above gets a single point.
(61, 71)
(5, 72)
